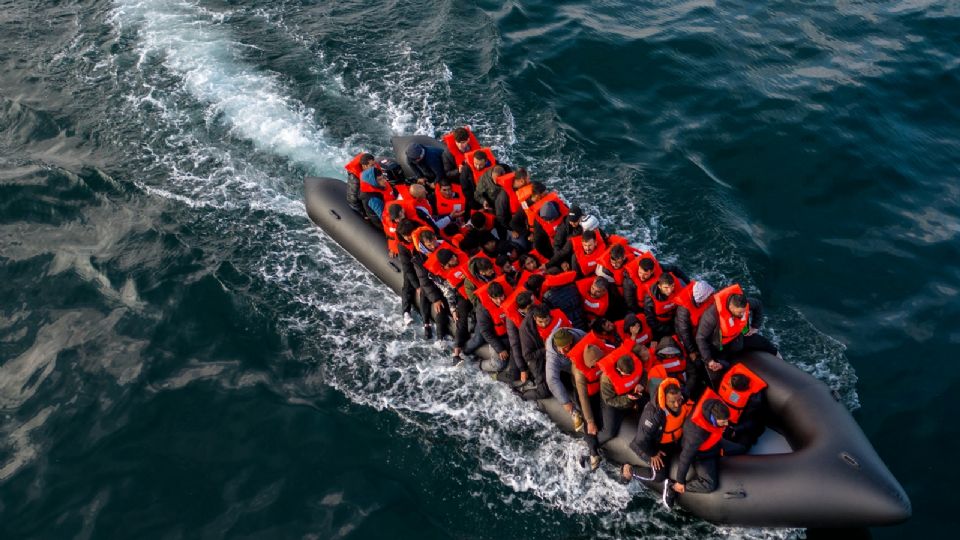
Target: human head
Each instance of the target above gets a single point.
(646, 268)
(496, 293)
(631, 323)
(415, 152)
(701, 292)
(530, 263)
(550, 211)
(446, 189)
(541, 315)
(498, 171)
(737, 304)
(618, 256)
(417, 191)
(484, 267)
(575, 215)
(462, 137)
(666, 283)
(534, 283)
(429, 239)
(520, 178)
(395, 211)
(539, 190)
(479, 160)
(562, 341)
(447, 258)
(367, 161)
(719, 414)
(591, 355)
(524, 301)
(740, 382)
(589, 241)
(672, 397)
(601, 325)
(625, 365)
(478, 220)
(598, 288)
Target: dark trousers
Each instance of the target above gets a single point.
(463, 308)
(608, 421)
(702, 476)
(756, 342)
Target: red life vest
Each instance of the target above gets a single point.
(644, 336)
(736, 401)
(455, 276)
(390, 226)
(633, 270)
(445, 206)
(557, 320)
(595, 307)
(592, 374)
(353, 167)
(491, 161)
(617, 273)
(675, 366)
(557, 280)
(673, 429)
(730, 326)
(411, 202)
(685, 299)
(664, 309)
(716, 432)
(587, 263)
(497, 313)
(451, 143)
(608, 365)
(505, 181)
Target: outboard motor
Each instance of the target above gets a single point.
(391, 168)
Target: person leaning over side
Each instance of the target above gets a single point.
(558, 345)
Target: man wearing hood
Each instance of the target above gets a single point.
(691, 305)
(696, 469)
(426, 162)
(659, 430)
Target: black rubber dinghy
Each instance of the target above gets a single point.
(813, 468)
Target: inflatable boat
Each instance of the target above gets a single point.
(812, 468)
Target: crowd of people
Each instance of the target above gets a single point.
(569, 311)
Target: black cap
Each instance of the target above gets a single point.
(576, 213)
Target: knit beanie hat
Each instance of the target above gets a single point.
(701, 290)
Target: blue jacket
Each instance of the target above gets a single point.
(431, 166)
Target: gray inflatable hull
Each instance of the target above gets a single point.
(821, 472)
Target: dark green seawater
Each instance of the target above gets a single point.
(183, 355)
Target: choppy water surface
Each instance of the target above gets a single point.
(183, 354)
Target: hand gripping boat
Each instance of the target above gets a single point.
(812, 468)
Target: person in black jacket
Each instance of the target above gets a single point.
(426, 162)
(534, 353)
(739, 437)
(501, 206)
(524, 301)
(646, 442)
(696, 370)
(485, 329)
(433, 304)
(635, 286)
(562, 249)
(661, 291)
(718, 357)
(697, 468)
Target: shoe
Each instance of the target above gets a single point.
(407, 319)
(594, 463)
(577, 421)
(669, 495)
(428, 331)
(458, 358)
(519, 384)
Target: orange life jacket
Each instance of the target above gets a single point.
(633, 270)
(736, 401)
(608, 365)
(592, 374)
(594, 307)
(587, 263)
(730, 326)
(617, 273)
(445, 206)
(497, 313)
(455, 276)
(549, 227)
(557, 280)
(673, 429)
(491, 161)
(664, 309)
(390, 226)
(644, 336)
(675, 366)
(716, 432)
(451, 143)
(353, 167)
(685, 299)
(557, 320)
(505, 181)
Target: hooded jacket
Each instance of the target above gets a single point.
(693, 437)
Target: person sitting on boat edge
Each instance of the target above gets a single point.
(586, 379)
(492, 324)
(426, 162)
(539, 323)
(621, 386)
(516, 308)
(728, 326)
(691, 303)
(659, 430)
(433, 303)
(742, 391)
(374, 188)
(487, 188)
(558, 345)
(700, 449)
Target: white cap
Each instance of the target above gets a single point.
(701, 290)
(589, 223)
